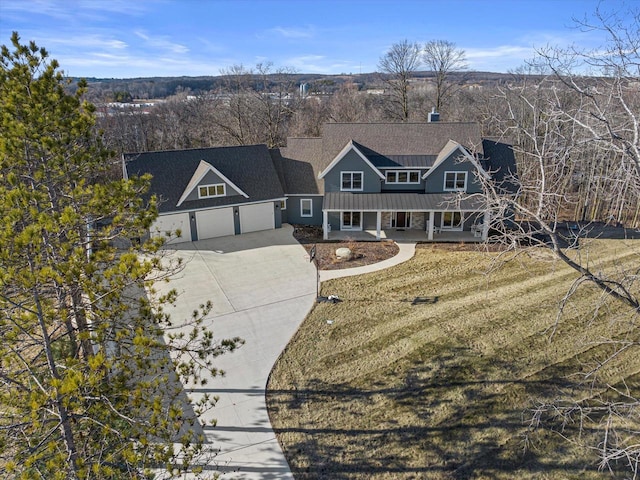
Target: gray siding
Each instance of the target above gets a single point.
(369, 220)
(211, 179)
(334, 221)
(403, 187)
(294, 214)
(352, 162)
(435, 181)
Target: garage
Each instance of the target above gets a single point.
(257, 217)
(171, 223)
(215, 223)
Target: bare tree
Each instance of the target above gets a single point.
(581, 133)
(399, 64)
(442, 58)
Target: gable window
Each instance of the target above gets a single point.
(208, 191)
(403, 176)
(452, 220)
(455, 181)
(350, 181)
(306, 207)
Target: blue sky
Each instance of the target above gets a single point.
(143, 38)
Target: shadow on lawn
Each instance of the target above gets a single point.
(449, 419)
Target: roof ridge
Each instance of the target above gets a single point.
(219, 147)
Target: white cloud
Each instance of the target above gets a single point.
(294, 32)
(162, 42)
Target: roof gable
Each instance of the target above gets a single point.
(399, 139)
(199, 174)
(351, 146)
(449, 149)
(249, 169)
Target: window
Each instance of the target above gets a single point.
(283, 204)
(455, 180)
(403, 176)
(351, 181)
(306, 207)
(208, 191)
(351, 221)
(452, 220)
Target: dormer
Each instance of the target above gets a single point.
(208, 182)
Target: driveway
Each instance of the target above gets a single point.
(262, 286)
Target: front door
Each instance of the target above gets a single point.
(401, 220)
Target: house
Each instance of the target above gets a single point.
(386, 177)
(378, 178)
(211, 192)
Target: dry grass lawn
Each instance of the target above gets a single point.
(376, 387)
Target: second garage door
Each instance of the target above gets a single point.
(215, 223)
(256, 217)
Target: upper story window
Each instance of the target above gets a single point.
(403, 176)
(208, 191)
(351, 181)
(455, 181)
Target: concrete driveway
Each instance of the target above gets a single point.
(262, 286)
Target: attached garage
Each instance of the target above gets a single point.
(171, 223)
(215, 223)
(259, 216)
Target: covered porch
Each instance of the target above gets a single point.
(405, 236)
(403, 217)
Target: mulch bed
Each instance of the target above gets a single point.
(363, 253)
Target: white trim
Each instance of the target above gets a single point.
(302, 200)
(350, 146)
(221, 206)
(351, 228)
(455, 181)
(397, 174)
(198, 175)
(448, 228)
(351, 172)
(305, 195)
(446, 152)
(216, 185)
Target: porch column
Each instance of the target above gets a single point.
(378, 224)
(485, 225)
(430, 226)
(325, 225)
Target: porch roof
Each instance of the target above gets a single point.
(399, 202)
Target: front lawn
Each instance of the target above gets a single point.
(383, 386)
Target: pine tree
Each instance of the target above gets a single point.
(91, 383)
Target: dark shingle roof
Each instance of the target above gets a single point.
(395, 161)
(399, 138)
(500, 162)
(250, 168)
(302, 162)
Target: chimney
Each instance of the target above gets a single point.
(433, 116)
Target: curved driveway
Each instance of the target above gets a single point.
(262, 286)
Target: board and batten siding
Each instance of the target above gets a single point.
(352, 162)
(435, 180)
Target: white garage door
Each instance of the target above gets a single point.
(171, 223)
(256, 217)
(215, 223)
